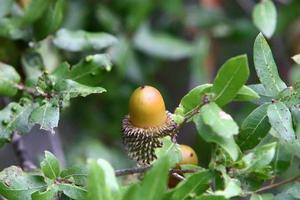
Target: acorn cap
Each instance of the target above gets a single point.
(141, 143)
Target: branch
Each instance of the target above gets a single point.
(139, 170)
(21, 153)
(31, 91)
(275, 185)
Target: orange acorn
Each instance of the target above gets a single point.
(146, 123)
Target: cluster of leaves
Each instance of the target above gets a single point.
(46, 91)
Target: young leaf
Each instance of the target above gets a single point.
(230, 78)
(46, 115)
(15, 184)
(71, 89)
(266, 68)
(73, 191)
(82, 41)
(265, 17)
(194, 97)
(296, 58)
(9, 78)
(260, 158)
(196, 184)
(151, 181)
(221, 122)
(49, 194)
(88, 71)
(254, 128)
(50, 166)
(228, 144)
(161, 45)
(281, 120)
(15, 117)
(246, 94)
(102, 183)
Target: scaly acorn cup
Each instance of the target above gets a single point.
(147, 122)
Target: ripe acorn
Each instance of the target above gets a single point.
(146, 123)
(188, 156)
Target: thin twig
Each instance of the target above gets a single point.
(178, 176)
(275, 185)
(21, 153)
(143, 169)
(31, 91)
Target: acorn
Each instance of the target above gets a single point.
(147, 122)
(188, 156)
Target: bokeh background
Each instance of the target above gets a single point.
(173, 45)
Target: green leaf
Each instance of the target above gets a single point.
(264, 17)
(296, 58)
(151, 181)
(51, 19)
(49, 194)
(262, 197)
(259, 158)
(16, 185)
(161, 45)
(266, 68)
(82, 40)
(194, 185)
(50, 166)
(102, 183)
(15, 117)
(46, 115)
(77, 174)
(232, 75)
(221, 122)
(232, 187)
(246, 94)
(228, 144)
(210, 197)
(194, 97)
(33, 66)
(290, 96)
(88, 71)
(254, 128)
(170, 149)
(9, 78)
(281, 120)
(34, 10)
(71, 89)
(73, 191)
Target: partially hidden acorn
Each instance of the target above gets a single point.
(147, 122)
(188, 157)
